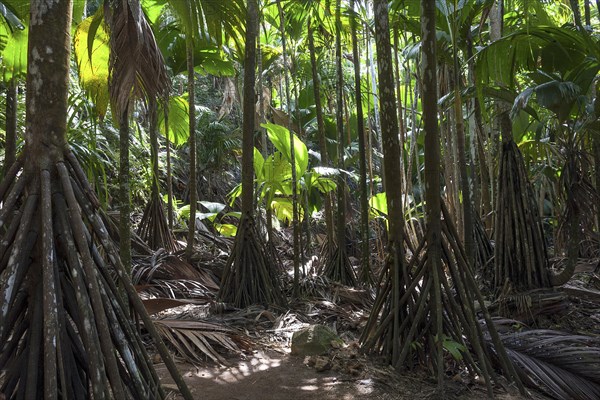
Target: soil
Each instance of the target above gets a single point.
(276, 375)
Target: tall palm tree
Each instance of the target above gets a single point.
(365, 272)
(414, 298)
(64, 330)
(202, 18)
(249, 275)
(337, 266)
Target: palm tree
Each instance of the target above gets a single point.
(337, 264)
(295, 219)
(202, 18)
(365, 272)
(414, 298)
(64, 330)
(249, 275)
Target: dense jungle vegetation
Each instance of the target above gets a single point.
(422, 177)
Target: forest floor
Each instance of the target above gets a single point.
(273, 375)
(261, 366)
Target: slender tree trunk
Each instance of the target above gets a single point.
(365, 276)
(597, 173)
(248, 110)
(468, 230)
(124, 191)
(432, 170)
(193, 183)
(10, 147)
(249, 275)
(576, 12)
(320, 126)
(170, 216)
(587, 13)
(341, 209)
(295, 225)
(391, 157)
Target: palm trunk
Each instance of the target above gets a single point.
(193, 183)
(365, 275)
(295, 227)
(320, 126)
(10, 148)
(432, 171)
(391, 159)
(468, 231)
(249, 275)
(124, 191)
(597, 173)
(57, 289)
(170, 216)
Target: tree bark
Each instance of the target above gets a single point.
(365, 275)
(124, 191)
(391, 158)
(193, 183)
(432, 170)
(10, 147)
(295, 224)
(248, 110)
(320, 126)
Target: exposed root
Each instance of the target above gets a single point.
(65, 331)
(337, 266)
(520, 254)
(402, 322)
(249, 276)
(153, 228)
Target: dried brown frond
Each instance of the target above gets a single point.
(137, 67)
(562, 365)
(196, 340)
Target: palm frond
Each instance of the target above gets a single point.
(137, 67)
(561, 365)
(196, 340)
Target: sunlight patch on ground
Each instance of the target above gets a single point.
(244, 369)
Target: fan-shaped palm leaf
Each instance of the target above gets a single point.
(193, 339)
(563, 50)
(562, 365)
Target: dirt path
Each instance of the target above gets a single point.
(274, 376)
(270, 375)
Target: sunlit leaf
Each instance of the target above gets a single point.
(93, 72)
(14, 55)
(280, 137)
(378, 204)
(228, 230)
(179, 128)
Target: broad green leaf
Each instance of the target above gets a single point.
(179, 127)
(283, 209)
(259, 163)
(153, 9)
(213, 207)
(276, 169)
(14, 55)
(93, 72)
(454, 348)
(214, 63)
(378, 204)
(280, 137)
(227, 230)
